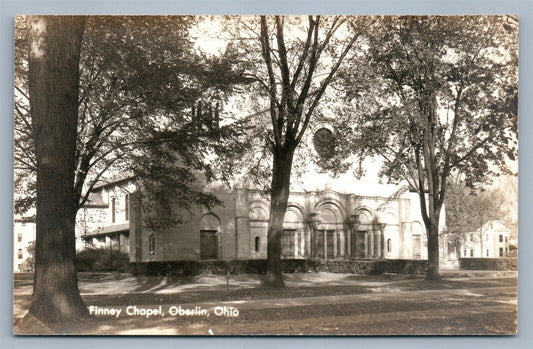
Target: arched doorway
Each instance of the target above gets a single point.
(209, 236)
(291, 240)
(417, 230)
(361, 238)
(330, 240)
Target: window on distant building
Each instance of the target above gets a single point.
(19, 237)
(208, 244)
(257, 242)
(19, 253)
(506, 239)
(501, 251)
(288, 243)
(471, 253)
(151, 244)
(471, 237)
(389, 245)
(487, 253)
(127, 207)
(113, 204)
(464, 252)
(501, 238)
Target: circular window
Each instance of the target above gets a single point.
(324, 142)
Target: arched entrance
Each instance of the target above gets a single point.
(209, 236)
(330, 240)
(292, 238)
(361, 237)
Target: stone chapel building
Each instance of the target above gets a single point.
(326, 218)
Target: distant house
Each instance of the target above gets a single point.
(24, 236)
(491, 241)
(103, 222)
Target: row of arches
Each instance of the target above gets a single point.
(326, 233)
(329, 213)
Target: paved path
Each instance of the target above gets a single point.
(354, 298)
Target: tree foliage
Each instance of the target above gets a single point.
(140, 78)
(468, 210)
(439, 96)
(291, 61)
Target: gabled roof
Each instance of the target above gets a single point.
(495, 225)
(96, 200)
(492, 225)
(120, 177)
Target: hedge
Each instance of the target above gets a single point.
(101, 259)
(488, 264)
(258, 266)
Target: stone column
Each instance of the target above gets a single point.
(307, 243)
(367, 245)
(372, 244)
(242, 224)
(347, 244)
(135, 233)
(382, 240)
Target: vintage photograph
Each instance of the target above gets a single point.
(265, 175)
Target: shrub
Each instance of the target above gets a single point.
(258, 266)
(488, 264)
(101, 259)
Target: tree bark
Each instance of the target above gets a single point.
(431, 219)
(281, 178)
(433, 252)
(432, 231)
(53, 85)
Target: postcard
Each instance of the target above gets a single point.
(266, 175)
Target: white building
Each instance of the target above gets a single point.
(104, 219)
(24, 236)
(491, 241)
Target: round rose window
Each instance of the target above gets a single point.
(324, 142)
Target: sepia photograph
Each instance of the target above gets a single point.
(265, 175)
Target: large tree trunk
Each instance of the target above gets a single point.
(53, 85)
(433, 247)
(281, 178)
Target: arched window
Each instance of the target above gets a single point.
(389, 245)
(257, 241)
(501, 238)
(20, 253)
(151, 244)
